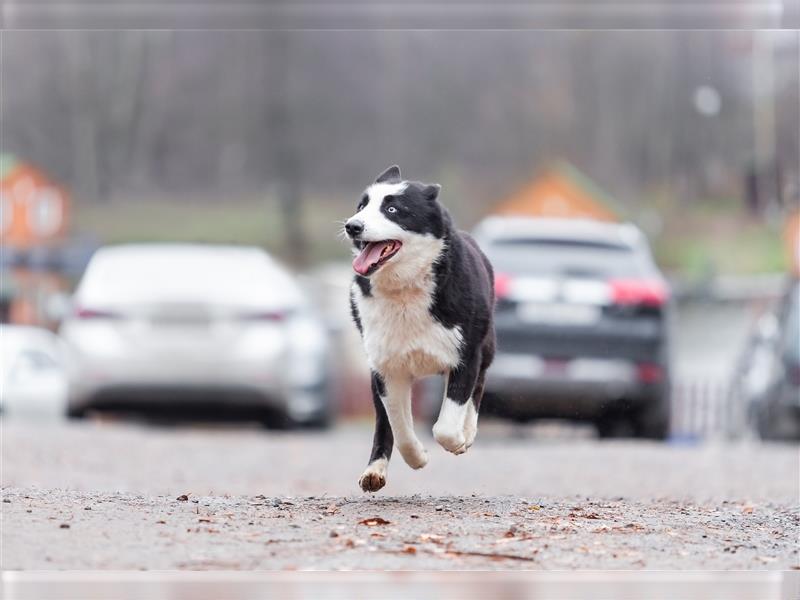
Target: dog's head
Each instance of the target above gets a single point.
(396, 220)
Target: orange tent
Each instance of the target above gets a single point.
(33, 209)
(564, 192)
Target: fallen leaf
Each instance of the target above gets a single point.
(534, 507)
(409, 550)
(373, 521)
(450, 553)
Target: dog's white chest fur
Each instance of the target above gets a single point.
(401, 336)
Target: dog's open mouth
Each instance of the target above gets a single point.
(374, 254)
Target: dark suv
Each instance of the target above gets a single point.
(582, 325)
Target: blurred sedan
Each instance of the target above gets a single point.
(33, 378)
(581, 320)
(209, 330)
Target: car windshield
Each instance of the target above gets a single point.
(561, 257)
(220, 276)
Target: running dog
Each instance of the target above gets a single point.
(422, 299)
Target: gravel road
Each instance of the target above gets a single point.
(126, 496)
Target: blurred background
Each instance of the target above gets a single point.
(170, 207)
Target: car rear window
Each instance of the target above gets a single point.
(576, 258)
(207, 276)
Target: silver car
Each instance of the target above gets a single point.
(33, 380)
(206, 330)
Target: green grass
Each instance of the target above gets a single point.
(715, 236)
(753, 250)
(258, 222)
(696, 240)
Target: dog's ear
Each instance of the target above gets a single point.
(431, 191)
(390, 175)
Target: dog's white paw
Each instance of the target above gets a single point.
(450, 438)
(374, 476)
(414, 454)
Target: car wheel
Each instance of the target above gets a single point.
(615, 426)
(653, 421)
(774, 427)
(76, 412)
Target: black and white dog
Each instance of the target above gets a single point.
(422, 299)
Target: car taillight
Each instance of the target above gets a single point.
(91, 313)
(650, 372)
(502, 285)
(641, 292)
(266, 316)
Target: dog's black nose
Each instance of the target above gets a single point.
(354, 228)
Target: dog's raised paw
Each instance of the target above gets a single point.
(415, 455)
(449, 439)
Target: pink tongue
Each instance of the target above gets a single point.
(369, 256)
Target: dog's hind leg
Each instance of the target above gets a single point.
(471, 420)
(459, 414)
(374, 477)
(398, 408)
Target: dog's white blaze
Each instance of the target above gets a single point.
(376, 226)
(450, 427)
(398, 409)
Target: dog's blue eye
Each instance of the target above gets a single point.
(391, 209)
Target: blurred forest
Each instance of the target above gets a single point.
(660, 119)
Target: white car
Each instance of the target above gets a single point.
(207, 330)
(33, 378)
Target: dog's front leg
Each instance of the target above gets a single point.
(457, 424)
(374, 477)
(398, 408)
